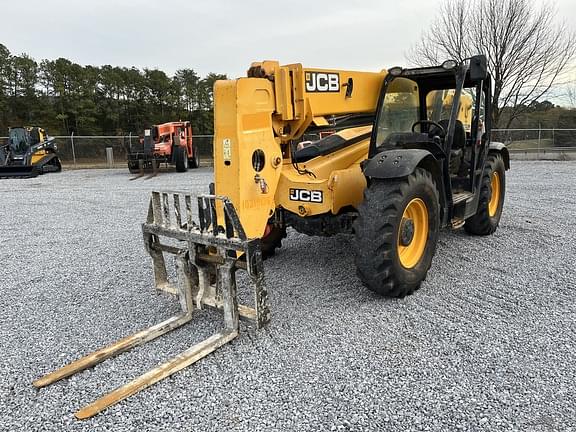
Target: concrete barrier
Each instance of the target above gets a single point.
(551, 155)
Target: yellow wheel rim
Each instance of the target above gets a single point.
(495, 198)
(413, 233)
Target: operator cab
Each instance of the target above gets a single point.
(439, 109)
(18, 141)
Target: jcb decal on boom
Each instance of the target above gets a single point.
(306, 195)
(322, 82)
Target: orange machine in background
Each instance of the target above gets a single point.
(169, 143)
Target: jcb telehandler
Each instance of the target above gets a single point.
(412, 155)
(29, 152)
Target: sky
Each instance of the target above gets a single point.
(223, 36)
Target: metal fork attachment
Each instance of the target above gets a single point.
(142, 172)
(207, 256)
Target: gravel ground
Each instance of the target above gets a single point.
(488, 342)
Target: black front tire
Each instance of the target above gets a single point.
(482, 223)
(181, 159)
(272, 241)
(133, 168)
(377, 229)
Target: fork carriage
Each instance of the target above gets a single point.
(207, 256)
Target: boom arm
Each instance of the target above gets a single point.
(306, 96)
(256, 118)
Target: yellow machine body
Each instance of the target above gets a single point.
(337, 176)
(37, 156)
(258, 118)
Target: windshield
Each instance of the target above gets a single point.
(399, 109)
(18, 141)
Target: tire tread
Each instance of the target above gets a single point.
(375, 240)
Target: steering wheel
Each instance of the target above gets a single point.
(430, 122)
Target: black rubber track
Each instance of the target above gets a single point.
(376, 233)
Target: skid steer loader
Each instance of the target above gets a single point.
(29, 152)
(408, 153)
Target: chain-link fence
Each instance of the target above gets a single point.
(111, 151)
(558, 144)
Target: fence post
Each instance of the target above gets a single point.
(73, 150)
(539, 135)
(110, 157)
(553, 143)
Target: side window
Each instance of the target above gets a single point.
(439, 106)
(399, 110)
(466, 113)
(479, 110)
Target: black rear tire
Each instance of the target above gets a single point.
(181, 159)
(377, 233)
(482, 223)
(194, 162)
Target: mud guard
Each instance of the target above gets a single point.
(498, 147)
(395, 163)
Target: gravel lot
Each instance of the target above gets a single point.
(488, 342)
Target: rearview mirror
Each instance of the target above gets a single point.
(478, 68)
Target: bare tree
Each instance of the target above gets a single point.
(571, 94)
(527, 49)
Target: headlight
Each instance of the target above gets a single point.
(395, 71)
(449, 64)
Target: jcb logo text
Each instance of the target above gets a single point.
(306, 195)
(322, 82)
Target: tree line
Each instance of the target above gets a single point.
(66, 97)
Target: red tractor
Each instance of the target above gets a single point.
(169, 143)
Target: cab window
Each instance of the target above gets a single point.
(399, 110)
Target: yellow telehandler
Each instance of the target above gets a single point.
(390, 157)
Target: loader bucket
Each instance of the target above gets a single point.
(22, 171)
(207, 255)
